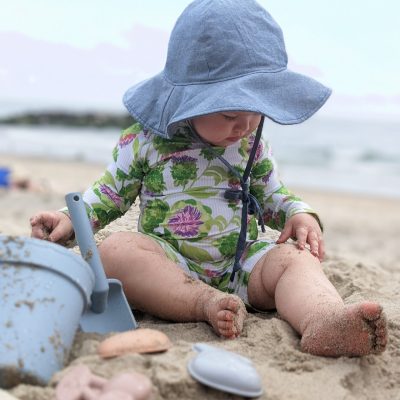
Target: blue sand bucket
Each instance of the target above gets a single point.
(44, 289)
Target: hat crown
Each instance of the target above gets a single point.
(215, 40)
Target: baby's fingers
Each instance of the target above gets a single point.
(40, 232)
(321, 250)
(301, 236)
(40, 226)
(316, 245)
(285, 235)
(61, 233)
(313, 241)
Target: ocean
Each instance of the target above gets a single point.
(361, 157)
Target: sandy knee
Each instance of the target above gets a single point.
(121, 248)
(118, 237)
(271, 267)
(285, 256)
(289, 254)
(128, 241)
(112, 244)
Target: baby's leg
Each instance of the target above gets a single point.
(293, 281)
(155, 284)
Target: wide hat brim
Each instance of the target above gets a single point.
(285, 97)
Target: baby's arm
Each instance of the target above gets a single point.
(116, 190)
(109, 197)
(283, 210)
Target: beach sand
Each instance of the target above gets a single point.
(363, 262)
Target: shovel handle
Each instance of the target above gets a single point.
(88, 248)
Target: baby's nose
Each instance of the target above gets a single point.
(242, 125)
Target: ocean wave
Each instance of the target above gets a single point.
(352, 161)
(372, 156)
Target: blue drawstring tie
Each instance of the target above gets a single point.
(250, 203)
(250, 206)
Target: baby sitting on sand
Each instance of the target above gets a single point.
(204, 176)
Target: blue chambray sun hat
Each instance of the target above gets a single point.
(224, 55)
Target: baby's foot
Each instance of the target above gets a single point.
(355, 330)
(226, 314)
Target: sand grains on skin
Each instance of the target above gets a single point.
(355, 330)
(226, 313)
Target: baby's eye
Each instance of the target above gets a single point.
(229, 117)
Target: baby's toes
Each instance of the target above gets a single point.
(380, 335)
(229, 304)
(381, 331)
(225, 315)
(381, 323)
(227, 327)
(371, 311)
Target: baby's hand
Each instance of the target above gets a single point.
(54, 226)
(305, 229)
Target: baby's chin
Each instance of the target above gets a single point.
(224, 143)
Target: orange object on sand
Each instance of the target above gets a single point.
(135, 341)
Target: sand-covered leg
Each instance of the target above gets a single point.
(354, 330)
(155, 284)
(306, 299)
(226, 313)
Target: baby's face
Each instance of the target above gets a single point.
(227, 127)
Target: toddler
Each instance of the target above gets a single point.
(205, 178)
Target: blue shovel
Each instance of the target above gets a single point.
(109, 310)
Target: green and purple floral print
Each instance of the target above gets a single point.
(181, 188)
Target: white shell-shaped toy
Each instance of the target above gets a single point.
(225, 370)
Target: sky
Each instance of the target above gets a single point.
(84, 54)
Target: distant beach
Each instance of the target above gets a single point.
(357, 157)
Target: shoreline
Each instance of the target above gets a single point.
(36, 165)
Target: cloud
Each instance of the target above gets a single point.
(32, 69)
(310, 70)
(367, 107)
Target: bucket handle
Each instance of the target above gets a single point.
(88, 248)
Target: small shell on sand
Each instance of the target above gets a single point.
(135, 341)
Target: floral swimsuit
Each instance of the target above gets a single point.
(181, 187)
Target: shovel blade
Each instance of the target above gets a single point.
(117, 316)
